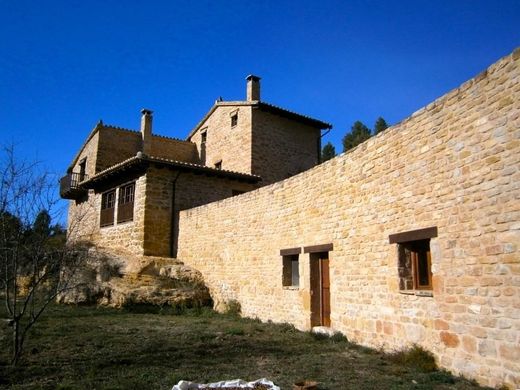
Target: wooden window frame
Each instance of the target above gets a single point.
(126, 202)
(416, 271)
(414, 253)
(108, 207)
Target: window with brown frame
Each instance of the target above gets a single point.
(108, 203)
(415, 270)
(291, 271)
(125, 207)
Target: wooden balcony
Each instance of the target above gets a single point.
(69, 186)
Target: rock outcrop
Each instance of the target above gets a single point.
(123, 279)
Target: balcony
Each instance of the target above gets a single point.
(69, 186)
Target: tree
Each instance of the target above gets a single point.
(328, 152)
(33, 272)
(42, 224)
(358, 134)
(380, 125)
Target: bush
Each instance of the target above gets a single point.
(233, 308)
(415, 357)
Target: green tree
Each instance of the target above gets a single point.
(42, 224)
(380, 125)
(358, 134)
(328, 152)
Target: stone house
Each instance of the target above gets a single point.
(127, 187)
(411, 237)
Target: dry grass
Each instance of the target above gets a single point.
(100, 348)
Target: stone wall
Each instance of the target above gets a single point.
(230, 145)
(282, 147)
(84, 222)
(190, 190)
(89, 152)
(454, 164)
(174, 149)
(116, 145)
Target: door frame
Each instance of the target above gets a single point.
(320, 289)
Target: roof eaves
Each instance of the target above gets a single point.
(294, 115)
(140, 159)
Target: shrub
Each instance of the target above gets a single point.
(415, 357)
(233, 308)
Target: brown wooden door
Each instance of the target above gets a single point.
(320, 290)
(315, 292)
(325, 292)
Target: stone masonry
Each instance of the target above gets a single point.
(246, 144)
(453, 165)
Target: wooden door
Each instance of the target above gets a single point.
(320, 290)
(325, 292)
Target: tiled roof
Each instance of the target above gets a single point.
(140, 160)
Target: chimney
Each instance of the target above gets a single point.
(146, 130)
(253, 88)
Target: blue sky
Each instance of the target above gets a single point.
(66, 64)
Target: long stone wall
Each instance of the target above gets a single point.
(454, 165)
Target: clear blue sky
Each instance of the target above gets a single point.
(66, 64)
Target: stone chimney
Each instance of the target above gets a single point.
(146, 130)
(253, 88)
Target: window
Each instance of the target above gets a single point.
(218, 165)
(414, 259)
(234, 120)
(82, 169)
(203, 137)
(415, 265)
(291, 271)
(108, 202)
(125, 209)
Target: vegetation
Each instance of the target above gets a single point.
(380, 125)
(359, 133)
(327, 152)
(35, 264)
(103, 348)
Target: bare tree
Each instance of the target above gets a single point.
(36, 266)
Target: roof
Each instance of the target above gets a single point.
(264, 107)
(141, 162)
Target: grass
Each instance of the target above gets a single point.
(102, 348)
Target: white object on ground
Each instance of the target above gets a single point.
(185, 385)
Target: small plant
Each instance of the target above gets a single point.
(235, 331)
(233, 308)
(415, 357)
(338, 337)
(288, 328)
(319, 336)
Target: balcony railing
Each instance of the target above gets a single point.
(69, 186)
